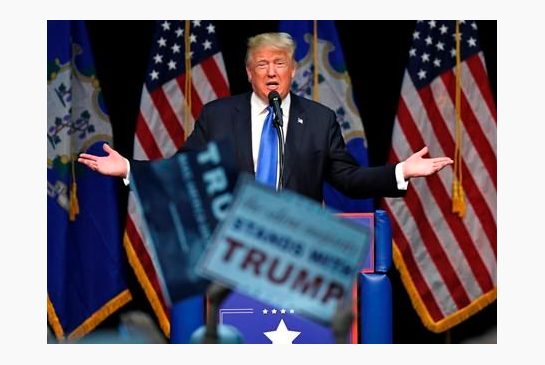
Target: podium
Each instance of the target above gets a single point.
(262, 323)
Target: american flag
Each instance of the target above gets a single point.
(447, 260)
(171, 101)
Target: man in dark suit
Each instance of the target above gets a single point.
(314, 148)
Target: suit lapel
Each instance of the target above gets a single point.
(294, 137)
(242, 126)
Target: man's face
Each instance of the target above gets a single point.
(270, 69)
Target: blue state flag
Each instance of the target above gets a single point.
(85, 262)
(334, 90)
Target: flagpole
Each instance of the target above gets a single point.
(315, 91)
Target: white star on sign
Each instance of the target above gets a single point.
(282, 336)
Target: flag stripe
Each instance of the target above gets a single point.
(457, 228)
(152, 117)
(202, 86)
(478, 70)
(168, 116)
(146, 141)
(211, 68)
(485, 117)
(175, 98)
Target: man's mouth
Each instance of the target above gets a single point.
(272, 85)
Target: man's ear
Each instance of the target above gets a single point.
(294, 69)
(249, 74)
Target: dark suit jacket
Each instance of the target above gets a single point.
(314, 150)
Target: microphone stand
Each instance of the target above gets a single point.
(280, 134)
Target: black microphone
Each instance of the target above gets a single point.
(275, 101)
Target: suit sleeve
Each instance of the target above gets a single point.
(344, 173)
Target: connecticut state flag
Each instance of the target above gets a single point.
(85, 262)
(322, 76)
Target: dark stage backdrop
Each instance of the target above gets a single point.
(376, 54)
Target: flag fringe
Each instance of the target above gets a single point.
(449, 321)
(92, 321)
(134, 261)
(54, 321)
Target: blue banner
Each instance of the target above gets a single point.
(182, 200)
(85, 260)
(334, 90)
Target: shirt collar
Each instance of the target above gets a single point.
(260, 106)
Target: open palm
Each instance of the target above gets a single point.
(112, 165)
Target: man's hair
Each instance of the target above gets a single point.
(282, 41)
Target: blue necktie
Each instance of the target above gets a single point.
(268, 152)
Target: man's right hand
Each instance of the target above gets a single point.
(112, 165)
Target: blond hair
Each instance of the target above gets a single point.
(282, 41)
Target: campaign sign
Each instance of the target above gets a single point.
(287, 250)
(182, 199)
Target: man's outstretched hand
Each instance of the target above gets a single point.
(416, 165)
(112, 165)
